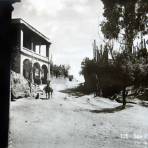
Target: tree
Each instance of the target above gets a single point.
(124, 18)
(59, 70)
(107, 79)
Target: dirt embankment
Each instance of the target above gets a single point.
(21, 87)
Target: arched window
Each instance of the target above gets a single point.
(27, 69)
(36, 73)
(44, 74)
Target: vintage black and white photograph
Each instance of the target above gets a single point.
(74, 73)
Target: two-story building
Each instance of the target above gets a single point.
(30, 53)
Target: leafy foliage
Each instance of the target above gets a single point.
(126, 68)
(126, 16)
(113, 77)
(59, 71)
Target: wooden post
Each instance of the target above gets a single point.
(21, 39)
(47, 55)
(32, 46)
(40, 49)
(21, 48)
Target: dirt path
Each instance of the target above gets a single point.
(69, 122)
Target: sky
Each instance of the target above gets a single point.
(71, 26)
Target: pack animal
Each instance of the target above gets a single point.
(49, 91)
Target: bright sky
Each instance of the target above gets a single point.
(71, 25)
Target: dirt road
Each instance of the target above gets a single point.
(70, 122)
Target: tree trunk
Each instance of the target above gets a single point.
(124, 97)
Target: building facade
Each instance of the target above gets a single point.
(30, 56)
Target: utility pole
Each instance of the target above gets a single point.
(5, 45)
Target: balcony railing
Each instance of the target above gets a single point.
(34, 54)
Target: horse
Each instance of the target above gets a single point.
(48, 90)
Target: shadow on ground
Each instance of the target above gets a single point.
(111, 110)
(73, 92)
(145, 104)
(44, 98)
(105, 110)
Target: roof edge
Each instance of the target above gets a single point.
(21, 21)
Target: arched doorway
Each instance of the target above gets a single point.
(36, 73)
(27, 69)
(44, 74)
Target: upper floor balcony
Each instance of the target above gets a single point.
(30, 41)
